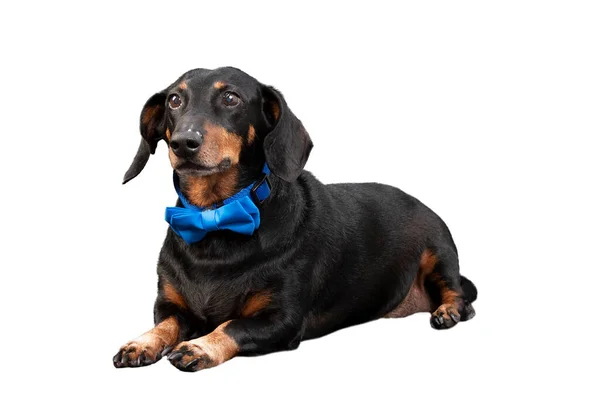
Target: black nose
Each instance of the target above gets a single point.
(186, 144)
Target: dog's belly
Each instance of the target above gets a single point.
(416, 301)
(359, 302)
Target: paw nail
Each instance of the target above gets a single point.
(192, 363)
(175, 356)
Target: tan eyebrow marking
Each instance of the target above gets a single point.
(219, 84)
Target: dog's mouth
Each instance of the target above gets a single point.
(198, 169)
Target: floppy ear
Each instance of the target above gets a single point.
(152, 128)
(288, 145)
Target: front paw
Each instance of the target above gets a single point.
(188, 356)
(138, 354)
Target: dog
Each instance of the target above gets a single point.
(320, 258)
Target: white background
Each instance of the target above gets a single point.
(487, 113)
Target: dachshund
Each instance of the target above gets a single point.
(260, 255)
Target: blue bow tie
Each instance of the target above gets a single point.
(238, 213)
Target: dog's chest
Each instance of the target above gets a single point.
(214, 285)
(212, 303)
(213, 300)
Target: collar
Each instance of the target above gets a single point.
(238, 213)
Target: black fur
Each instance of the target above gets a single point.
(329, 256)
(152, 130)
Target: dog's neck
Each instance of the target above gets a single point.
(203, 191)
(208, 190)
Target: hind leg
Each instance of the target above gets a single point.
(444, 288)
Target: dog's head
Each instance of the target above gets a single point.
(222, 124)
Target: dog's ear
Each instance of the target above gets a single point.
(152, 128)
(287, 145)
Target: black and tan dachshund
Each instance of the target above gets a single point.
(324, 257)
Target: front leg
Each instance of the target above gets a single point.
(172, 325)
(149, 347)
(253, 335)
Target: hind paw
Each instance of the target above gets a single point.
(468, 312)
(446, 316)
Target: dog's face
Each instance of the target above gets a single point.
(212, 117)
(217, 120)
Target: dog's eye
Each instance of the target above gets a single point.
(230, 99)
(174, 101)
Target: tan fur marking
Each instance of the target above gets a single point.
(207, 190)
(219, 346)
(218, 144)
(168, 134)
(173, 158)
(149, 113)
(219, 85)
(167, 331)
(417, 300)
(256, 303)
(183, 85)
(153, 342)
(149, 121)
(173, 296)
(212, 349)
(450, 299)
(276, 110)
(251, 134)
(445, 310)
(427, 264)
(449, 296)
